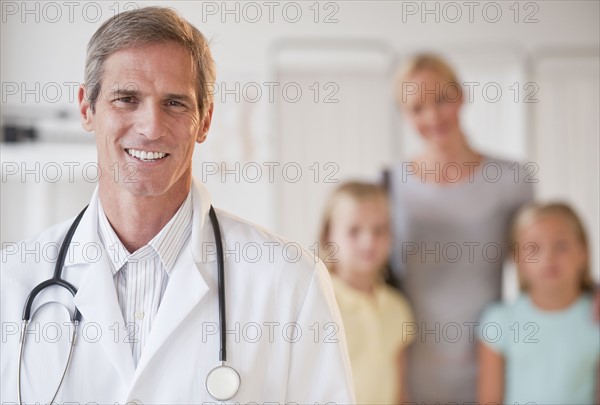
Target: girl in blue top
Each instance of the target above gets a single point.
(545, 347)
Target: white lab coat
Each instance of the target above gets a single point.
(285, 337)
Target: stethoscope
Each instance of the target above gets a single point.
(222, 382)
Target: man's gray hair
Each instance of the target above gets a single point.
(146, 26)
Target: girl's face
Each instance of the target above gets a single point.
(360, 231)
(432, 105)
(550, 254)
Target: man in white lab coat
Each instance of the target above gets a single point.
(143, 256)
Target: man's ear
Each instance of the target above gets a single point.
(85, 109)
(205, 126)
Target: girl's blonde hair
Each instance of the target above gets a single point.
(532, 213)
(419, 63)
(358, 191)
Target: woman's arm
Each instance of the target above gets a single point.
(403, 398)
(596, 306)
(598, 384)
(491, 375)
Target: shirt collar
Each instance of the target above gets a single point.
(356, 298)
(168, 243)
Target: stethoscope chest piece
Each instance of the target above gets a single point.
(222, 382)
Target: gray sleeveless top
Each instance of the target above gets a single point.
(449, 246)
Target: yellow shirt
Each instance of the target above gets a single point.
(374, 326)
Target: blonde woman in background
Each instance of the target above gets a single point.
(545, 347)
(355, 243)
(449, 226)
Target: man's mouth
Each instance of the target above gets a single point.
(146, 156)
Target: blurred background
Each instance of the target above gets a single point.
(304, 100)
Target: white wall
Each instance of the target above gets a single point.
(49, 53)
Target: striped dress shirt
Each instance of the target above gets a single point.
(141, 277)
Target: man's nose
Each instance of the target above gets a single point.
(151, 121)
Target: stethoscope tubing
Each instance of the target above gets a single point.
(76, 316)
(57, 276)
(221, 283)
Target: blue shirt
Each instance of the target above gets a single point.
(551, 357)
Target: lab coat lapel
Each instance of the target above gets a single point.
(184, 291)
(96, 297)
(98, 303)
(186, 286)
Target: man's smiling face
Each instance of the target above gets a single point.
(146, 119)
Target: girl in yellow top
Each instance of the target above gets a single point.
(355, 243)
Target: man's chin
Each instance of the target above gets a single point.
(141, 188)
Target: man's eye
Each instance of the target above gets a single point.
(127, 99)
(175, 103)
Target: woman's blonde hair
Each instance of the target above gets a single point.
(535, 211)
(419, 63)
(356, 190)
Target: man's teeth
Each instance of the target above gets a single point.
(143, 155)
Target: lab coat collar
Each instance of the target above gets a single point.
(97, 299)
(86, 246)
(96, 296)
(202, 239)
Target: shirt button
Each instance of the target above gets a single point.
(139, 315)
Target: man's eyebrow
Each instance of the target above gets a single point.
(168, 96)
(124, 92)
(180, 97)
